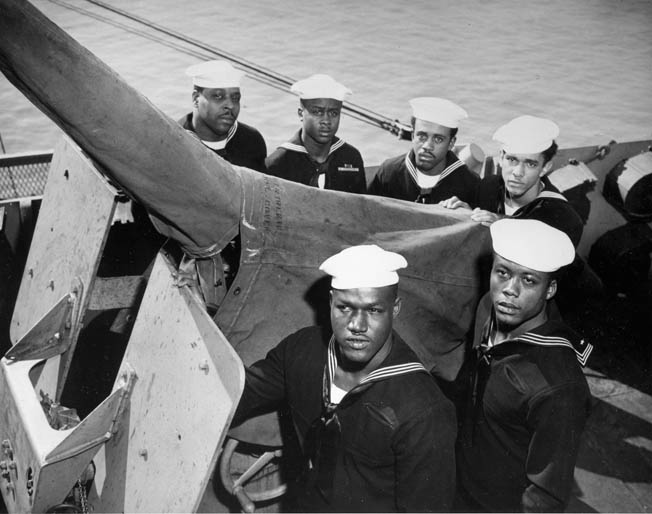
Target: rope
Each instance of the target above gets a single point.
(204, 51)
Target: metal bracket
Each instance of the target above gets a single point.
(100, 425)
(52, 334)
(126, 383)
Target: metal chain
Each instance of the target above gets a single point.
(82, 497)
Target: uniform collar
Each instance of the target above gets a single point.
(550, 334)
(551, 194)
(547, 190)
(398, 362)
(452, 163)
(296, 145)
(220, 145)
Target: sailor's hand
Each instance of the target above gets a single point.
(484, 217)
(454, 203)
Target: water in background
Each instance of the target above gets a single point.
(586, 64)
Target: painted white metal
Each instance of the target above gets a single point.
(41, 464)
(189, 381)
(75, 214)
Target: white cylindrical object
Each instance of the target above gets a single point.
(473, 156)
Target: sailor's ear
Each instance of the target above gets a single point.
(452, 142)
(300, 113)
(546, 167)
(552, 289)
(195, 97)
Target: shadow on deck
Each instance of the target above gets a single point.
(614, 467)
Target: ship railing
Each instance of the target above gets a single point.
(24, 174)
(22, 182)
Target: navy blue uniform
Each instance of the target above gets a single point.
(550, 206)
(396, 178)
(527, 405)
(579, 287)
(388, 445)
(245, 146)
(343, 170)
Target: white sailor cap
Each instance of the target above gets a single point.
(438, 110)
(363, 266)
(320, 86)
(215, 74)
(527, 134)
(532, 243)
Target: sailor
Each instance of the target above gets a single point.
(377, 435)
(521, 189)
(315, 156)
(430, 172)
(528, 400)
(216, 98)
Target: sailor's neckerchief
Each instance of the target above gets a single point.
(376, 375)
(296, 145)
(328, 424)
(220, 145)
(412, 171)
(539, 336)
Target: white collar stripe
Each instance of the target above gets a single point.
(294, 147)
(231, 132)
(551, 194)
(332, 359)
(540, 340)
(412, 170)
(220, 145)
(536, 338)
(338, 144)
(391, 371)
(378, 374)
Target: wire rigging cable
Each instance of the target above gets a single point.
(204, 51)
